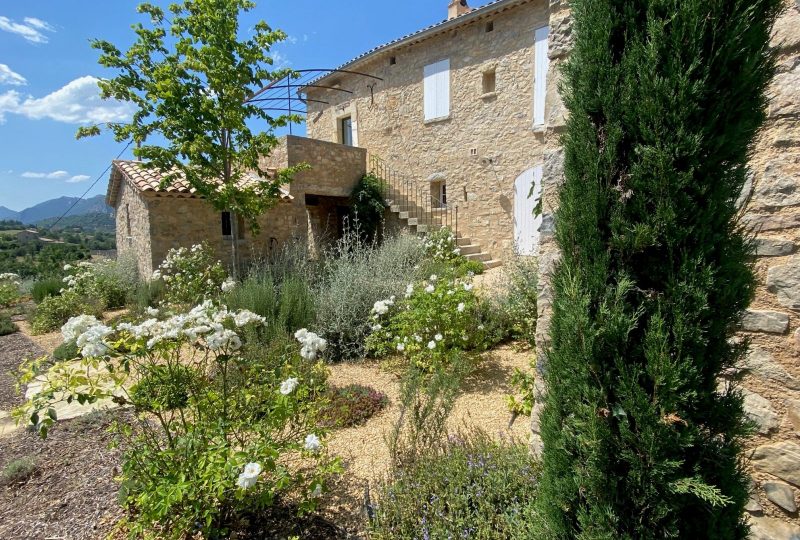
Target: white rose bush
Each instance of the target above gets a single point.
(9, 288)
(435, 319)
(212, 429)
(191, 274)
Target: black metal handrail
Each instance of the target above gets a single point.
(414, 197)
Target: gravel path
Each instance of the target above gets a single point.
(14, 348)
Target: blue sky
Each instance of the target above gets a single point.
(48, 71)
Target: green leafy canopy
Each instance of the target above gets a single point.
(189, 75)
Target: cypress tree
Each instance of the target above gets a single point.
(664, 100)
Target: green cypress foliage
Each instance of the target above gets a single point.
(665, 98)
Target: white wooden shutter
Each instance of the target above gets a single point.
(540, 65)
(437, 89)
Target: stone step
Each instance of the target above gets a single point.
(461, 241)
(483, 257)
(494, 263)
(469, 249)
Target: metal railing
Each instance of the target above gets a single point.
(414, 198)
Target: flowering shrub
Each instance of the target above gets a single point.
(9, 289)
(214, 433)
(472, 488)
(442, 246)
(191, 275)
(435, 317)
(353, 276)
(109, 281)
(54, 311)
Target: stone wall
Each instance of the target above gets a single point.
(388, 118)
(160, 222)
(184, 221)
(133, 228)
(772, 386)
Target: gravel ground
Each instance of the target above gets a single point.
(14, 348)
(71, 494)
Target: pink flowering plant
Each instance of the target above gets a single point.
(434, 318)
(212, 431)
(191, 275)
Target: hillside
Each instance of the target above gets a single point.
(7, 213)
(89, 222)
(56, 207)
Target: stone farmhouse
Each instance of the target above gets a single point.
(463, 123)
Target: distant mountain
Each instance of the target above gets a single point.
(7, 213)
(54, 208)
(89, 222)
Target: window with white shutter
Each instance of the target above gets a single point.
(540, 65)
(437, 90)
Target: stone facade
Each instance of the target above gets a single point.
(160, 221)
(772, 211)
(487, 140)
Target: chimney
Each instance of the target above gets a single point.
(457, 8)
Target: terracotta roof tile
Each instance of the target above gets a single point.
(146, 179)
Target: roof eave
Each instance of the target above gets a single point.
(411, 39)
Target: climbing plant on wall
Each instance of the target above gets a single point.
(641, 440)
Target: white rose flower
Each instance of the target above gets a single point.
(249, 476)
(431, 345)
(312, 443)
(467, 286)
(434, 277)
(156, 275)
(438, 337)
(460, 308)
(401, 347)
(288, 386)
(228, 285)
(409, 290)
(429, 289)
(151, 311)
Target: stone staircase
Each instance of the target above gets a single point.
(411, 204)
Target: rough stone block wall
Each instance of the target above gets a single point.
(133, 228)
(182, 222)
(388, 118)
(772, 210)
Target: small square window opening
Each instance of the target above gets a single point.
(489, 81)
(490, 26)
(392, 60)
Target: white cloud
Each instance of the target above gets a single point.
(9, 76)
(52, 175)
(78, 178)
(31, 29)
(279, 60)
(39, 23)
(77, 102)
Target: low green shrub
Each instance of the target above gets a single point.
(112, 282)
(520, 299)
(148, 294)
(50, 286)
(351, 405)
(7, 326)
(17, 471)
(368, 207)
(354, 275)
(9, 289)
(287, 304)
(469, 267)
(66, 351)
(471, 488)
(435, 317)
(54, 311)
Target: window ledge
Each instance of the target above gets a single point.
(436, 120)
(539, 128)
(488, 95)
